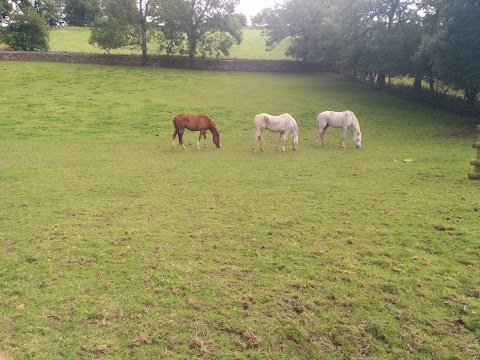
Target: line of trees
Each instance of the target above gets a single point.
(433, 40)
(187, 27)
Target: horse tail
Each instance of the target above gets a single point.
(295, 134)
(322, 121)
(319, 118)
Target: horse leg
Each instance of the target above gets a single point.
(257, 137)
(281, 141)
(205, 138)
(322, 134)
(198, 141)
(344, 134)
(262, 143)
(283, 137)
(173, 138)
(180, 139)
(318, 135)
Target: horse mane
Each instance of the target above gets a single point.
(213, 127)
(355, 123)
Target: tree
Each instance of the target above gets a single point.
(109, 34)
(423, 58)
(242, 19)
(298, 20)
(389, 33)
(125, 23)
(458, 47)
(26, 31)
(209, 25)
(50, 10)
(313, 27)
(81, 12)
(5, 9)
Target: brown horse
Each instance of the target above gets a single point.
(194, 122)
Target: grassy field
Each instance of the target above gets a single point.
(114, 246)
(76, 40)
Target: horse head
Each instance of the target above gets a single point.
(216, 136)
(357, 140)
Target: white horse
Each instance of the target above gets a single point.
(345, 119)
(280, 123)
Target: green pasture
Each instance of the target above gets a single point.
(115, 246)
(252, 47)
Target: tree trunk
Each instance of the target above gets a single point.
(431, 82)
(417, 83)
(381, 80)
(144, 53)
(192, 43)
(143, 31)
(471, 96)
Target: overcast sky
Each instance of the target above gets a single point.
(252, 7)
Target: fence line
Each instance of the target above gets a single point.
(425, 96)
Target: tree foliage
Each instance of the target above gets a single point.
(209, 26)
(299, 20)
(125, 23)
(5, 9)
(458, 46)
(433, 40)
(26, 31)
(108, 34)
(81, 12)
(50, 10)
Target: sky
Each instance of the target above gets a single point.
(252, 7)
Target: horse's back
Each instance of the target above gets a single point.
(287, 116)
(192, 121)
(261, 120)
(325, 115)
(274, 122)
(334, 118)
(180, 120)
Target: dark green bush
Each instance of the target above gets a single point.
(27, 31)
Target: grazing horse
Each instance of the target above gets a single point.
(280, 123)
(194, 122)
(345, 119)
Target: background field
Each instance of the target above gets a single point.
(76, 40)
(115, 246)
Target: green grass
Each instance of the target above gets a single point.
(252, 46)
(115, 246)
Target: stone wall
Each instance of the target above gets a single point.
(167, 62)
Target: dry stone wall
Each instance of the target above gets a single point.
(167, 62)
